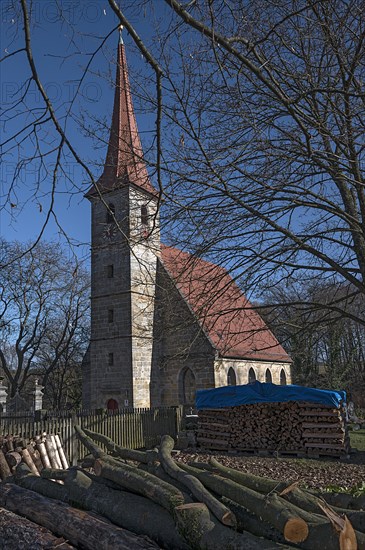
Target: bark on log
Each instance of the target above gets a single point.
(221, 512)
(259, 484)
(140, 482)
(195, 524)
(122, 452)
(343, 500)
(130, 511)
(4, 466)
(18, 532)
(79, 527)
(247, 521)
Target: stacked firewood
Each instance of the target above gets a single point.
(293, 427)
(152, 501)
(44, 451)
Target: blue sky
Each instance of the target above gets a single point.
(60, 56)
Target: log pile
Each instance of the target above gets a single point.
(302, 428)
(44, 451)
(151, 501)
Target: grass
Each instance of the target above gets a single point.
(357, 439)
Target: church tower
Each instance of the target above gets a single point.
(125, 243)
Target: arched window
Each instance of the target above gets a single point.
(187, 387)
(112, 405)
(282, 378)
(144, 215)
(251, 376)
(110, 213)
(231, 377)
(268, 377)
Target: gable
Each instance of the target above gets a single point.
(227, 317)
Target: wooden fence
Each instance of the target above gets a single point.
(133, 428)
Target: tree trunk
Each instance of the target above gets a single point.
(4, 466)
(29, 462)
(196, 525)
(256, 483)
(221, 512)
(130, 511)
(312, 531)
(122, 452)
(18, 532)
(80, 528)
(140, 482)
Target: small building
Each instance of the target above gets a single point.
(163, 322)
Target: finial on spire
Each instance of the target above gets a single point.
(121, 27)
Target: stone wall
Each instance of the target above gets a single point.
(242, 368)
(180, 344)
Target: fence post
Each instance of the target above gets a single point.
(74, 442)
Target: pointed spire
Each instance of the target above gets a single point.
(124, 162)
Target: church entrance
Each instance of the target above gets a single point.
(112, 405)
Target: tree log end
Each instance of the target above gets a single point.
(296, 530)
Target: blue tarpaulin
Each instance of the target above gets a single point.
(258, 392)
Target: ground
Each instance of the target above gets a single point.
(323, 474)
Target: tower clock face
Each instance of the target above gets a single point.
(109, 232)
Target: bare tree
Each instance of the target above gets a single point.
(44, 309)
(259, 134)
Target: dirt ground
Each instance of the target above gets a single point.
(313, 473)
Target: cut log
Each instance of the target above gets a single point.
(29, 462)
(221, 512)
(41, 448)
(279, 513)
(13, 458)
(197, 526)
(51, 452)
(18, 532)
(130, 511)
(259, 484)
(140, 482)
(122, 452)
(4, 466)
(79, 527)
(61, 452)
(35, 457)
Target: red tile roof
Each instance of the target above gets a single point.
(124, 162)
(234, 327)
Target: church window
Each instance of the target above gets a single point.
(112, 405)
(282, 378)
(187, 386)
(231, 377)
(110, 213)
(268, 377)
(110, 359)
(110, 271)
(110, 315)
(251, 376)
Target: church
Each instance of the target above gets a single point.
(164, 323)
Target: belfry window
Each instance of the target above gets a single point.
(144, 215)
(110, 213)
